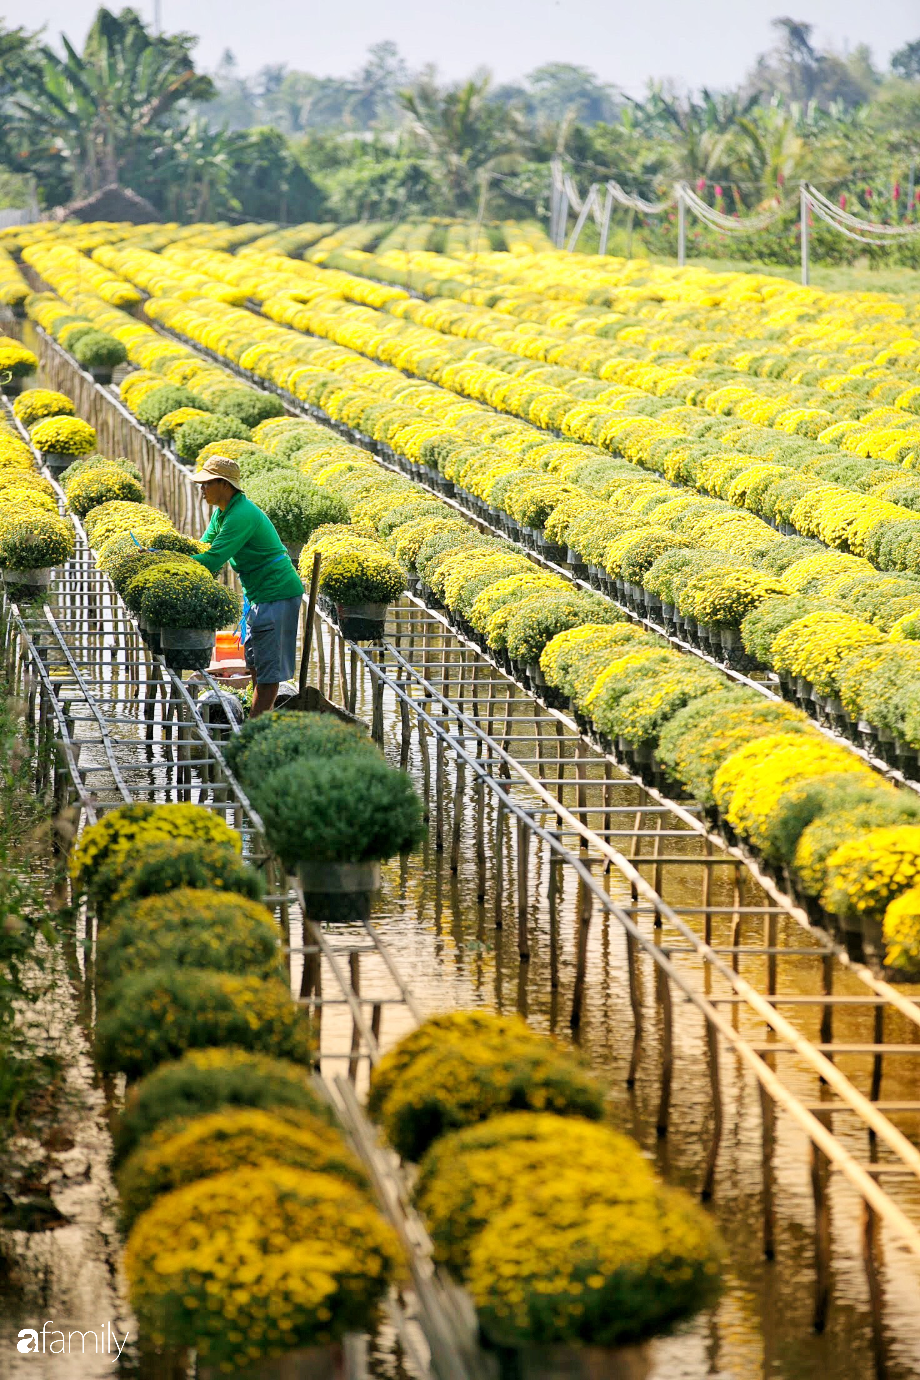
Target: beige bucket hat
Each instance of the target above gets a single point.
(218, 467)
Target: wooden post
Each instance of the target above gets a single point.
(822, 1236)
(585, 904)
(523, 862)
(667, 1051)
(715, 1083)
(635, 1001)
(499, 855)
(480, 807)
(768, 1144)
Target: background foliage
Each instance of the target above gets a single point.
(387, 143)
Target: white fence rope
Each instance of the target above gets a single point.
(566, 194)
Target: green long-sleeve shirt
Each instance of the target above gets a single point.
(244, 536)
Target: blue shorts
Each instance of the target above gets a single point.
(270, 644)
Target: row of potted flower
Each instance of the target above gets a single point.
(96, 351)
(616, 418)
(13, 287)
(699, 336)
(672, 717)
(218, 405)
(34, 535)
(732, 593)
(250, 1229)
(573, 1251)
(178, 604)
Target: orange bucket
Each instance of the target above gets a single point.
(227, 647)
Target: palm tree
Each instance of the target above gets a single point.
(466, 136)
(97, 107)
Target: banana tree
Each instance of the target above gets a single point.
(96, 107)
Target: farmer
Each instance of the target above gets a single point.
(240, 533)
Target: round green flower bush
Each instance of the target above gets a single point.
(64, 436)
(235, 1138)
(258, 1262)
(189, 928)
(156, 867)
(211, 1080)
(470, 1175)
(158, 1015)
(256, 462)
(33, 539)
(295, 506)
(37, 403)
(182, 594)
(250, 406)
(277, 738)
(196, 434)
(115, 838)
(101, 485)
(535, 624)
(454, 1083)
(350, 808)
(156, 404)
(566, 1265)
(98, 350)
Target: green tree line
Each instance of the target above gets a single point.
(130, 107)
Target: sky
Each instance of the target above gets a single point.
(706, 43)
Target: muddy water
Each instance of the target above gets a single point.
(453, 954)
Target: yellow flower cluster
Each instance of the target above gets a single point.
(13, 287)
(237, 1138)
(15, 359)
(354, 569)
(259, 1261)
(64, 436)
(901, 932)
(119, 831)
(69, 272)
(36, 403)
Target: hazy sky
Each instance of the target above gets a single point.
(706, 43)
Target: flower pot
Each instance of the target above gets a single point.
(307, 1363)
(101, 374)
(537, 678)
(13, 387)
(187, 649)
(56, 462)
(584, 1362)
(294, 548)
(339, 892)
(150, 633)
(361, 622)
(195, 639)
(39, 578)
